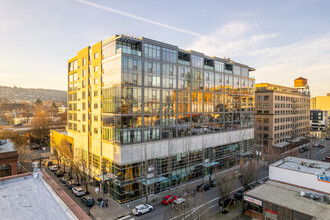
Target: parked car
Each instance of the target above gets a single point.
(88, 201)
(180, 203)
(78, 191)
(63, 179)
(53, 168)
(169, 199)
(213, 183)
(141, 209)
(35, 147)
(321, 146)
(315, 145)
(239, 194)
(228, 202)
(48, 163)
(260, 182)
(59, 173)
(202, 187)
(70, 184)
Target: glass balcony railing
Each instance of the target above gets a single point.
(184, 62)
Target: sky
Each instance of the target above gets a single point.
(282, 39)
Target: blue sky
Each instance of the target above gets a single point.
(281, 39)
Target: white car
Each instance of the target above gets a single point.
(53, 168)
(78, 191)
(141, 209)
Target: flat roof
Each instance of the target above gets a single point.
(289, 196)
(31, 198)
(304, 165)
(6, 145)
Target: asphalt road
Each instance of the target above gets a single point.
(317, 152)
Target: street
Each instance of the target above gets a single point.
(203, 203)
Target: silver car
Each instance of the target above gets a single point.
(141, 209)
(78, 191)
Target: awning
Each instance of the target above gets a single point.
(282, 144)
(211, 164)
(154, 180)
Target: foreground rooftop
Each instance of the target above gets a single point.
(26, 197)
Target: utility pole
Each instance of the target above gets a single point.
(146, 172)
(310, 146)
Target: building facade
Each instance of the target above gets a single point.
(147, 113)
(319, 122)
(282, 115)
(8, 158)
(297, 189)
(321, 103)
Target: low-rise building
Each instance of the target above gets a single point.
(319, 121)
(8, 158)
(297, 189)
(321, 102)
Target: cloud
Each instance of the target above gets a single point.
(230, 40)
(279, 64)
(105, 8)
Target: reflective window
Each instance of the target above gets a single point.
(219, 66)
(169, 55)
(197, 61)
(152, 51)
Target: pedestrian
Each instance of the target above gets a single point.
(101, 204)
(106, 203)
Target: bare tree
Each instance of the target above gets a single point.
(248, 174)
(40, 125)
(225, 183)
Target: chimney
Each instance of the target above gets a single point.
(35, 169)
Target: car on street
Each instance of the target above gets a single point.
(239, 194)
(316, 145)
(169, 199)
(141, 209)
(87, 201)
(70, 184)
(63, 179)
(53, 168)
(321, 146)
(202, 187)
(180, 203)
(48, 163)
(78, 191)
(59, 173)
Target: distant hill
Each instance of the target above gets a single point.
(25, 94)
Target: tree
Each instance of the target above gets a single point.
(40, 125)
(38, 102)
(53, 111)
(248, 174)
(225, 184)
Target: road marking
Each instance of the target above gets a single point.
(125, 217)
(195, 209)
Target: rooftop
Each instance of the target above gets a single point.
(31, 198)
(289, 196)
(6, 146)
(304, 165)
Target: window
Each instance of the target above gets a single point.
(169, 55)
(84, 128)
(96, 105)
(152, 51)
(83, 73)
(96, 55)
(219, 66)
(95, 118)
(266, 97)
(96, 81)
(96, 68)
(96, 93)
(96, 131)
(83, 95)
(83, 117)
(84, 61)
(84, 106)
(259, 97)
(171, 70)
(83, 84)
(197, 61)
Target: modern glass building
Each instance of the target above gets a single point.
(143, 112)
